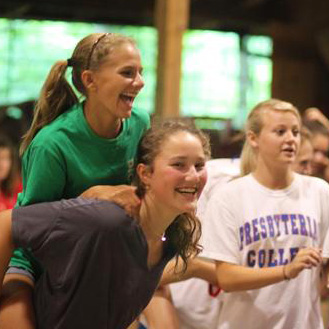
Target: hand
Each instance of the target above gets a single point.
(306, 258)
(123, 195)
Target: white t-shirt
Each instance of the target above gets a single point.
(250, 225)
(196, 306)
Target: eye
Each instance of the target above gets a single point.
(178, 165)
(304, 163)
(199, 166)
(280, 131)
(295, 132)
(129, 73)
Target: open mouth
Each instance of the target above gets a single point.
(128, 99)
(187, 190)
(289, 150)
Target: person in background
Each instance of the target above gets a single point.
(304, 158)
(317, 124)
(265, 230)
(10, 181)
(101, 265)
(74, 147)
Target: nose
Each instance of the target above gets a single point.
(290, 136)
(319, 156)
(307, 169)
(192, 174)
(139, 81)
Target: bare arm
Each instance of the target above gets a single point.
(123, 195)
(196, 268)
(233, 277)
(160, 313)
(6, 244)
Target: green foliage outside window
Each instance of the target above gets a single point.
(223, 74)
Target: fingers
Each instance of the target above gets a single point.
(126, 198)
(306, 258)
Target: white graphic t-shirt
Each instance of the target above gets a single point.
(248, 224)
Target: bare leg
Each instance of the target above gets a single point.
(160, 313)
(16, 303)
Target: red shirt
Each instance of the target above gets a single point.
(8, 202)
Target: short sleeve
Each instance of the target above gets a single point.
(219, 232)
(324, 213)
(31, 225)
(44, 175)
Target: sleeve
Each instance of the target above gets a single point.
(324, 229)
(219, 233)
(44, 175)
(325, 252)
(31, 225)
(146, 119)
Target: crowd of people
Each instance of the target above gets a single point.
(115, 222)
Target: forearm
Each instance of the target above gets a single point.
(232, 277)
(6, 243)
(239, 278)
(196, 268)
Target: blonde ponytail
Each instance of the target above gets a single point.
(56, 97)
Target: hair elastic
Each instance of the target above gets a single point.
(69, 62)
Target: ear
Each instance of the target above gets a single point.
(88, 80)
(144, 173)
(252, 139)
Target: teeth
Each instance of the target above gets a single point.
(187, 190)
(129, 95)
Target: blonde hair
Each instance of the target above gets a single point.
(255, 124)
(57, 96)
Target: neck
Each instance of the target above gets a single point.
(106, 126)
(273, 178)
(153, 219)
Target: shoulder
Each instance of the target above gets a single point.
(53, 130)
(97, 215)
(55, 134)
(141, 117)
(233, 185)
(311, 183)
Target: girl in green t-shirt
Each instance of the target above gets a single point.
(75, 148)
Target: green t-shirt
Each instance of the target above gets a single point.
(66, 157)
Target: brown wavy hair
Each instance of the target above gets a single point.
(185, 231)
(57, 95)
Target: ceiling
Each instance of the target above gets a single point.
(205, 14)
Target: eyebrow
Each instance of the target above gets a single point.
(179, 157)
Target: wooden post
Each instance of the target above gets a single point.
(171, 21)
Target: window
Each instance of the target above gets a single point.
(224, 74)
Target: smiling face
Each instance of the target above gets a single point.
(178, 174)
(113, 87)
(278, 141)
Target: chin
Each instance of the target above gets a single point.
(189, 208)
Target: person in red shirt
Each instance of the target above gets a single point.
(10, 182)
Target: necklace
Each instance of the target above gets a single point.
(158, 236)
